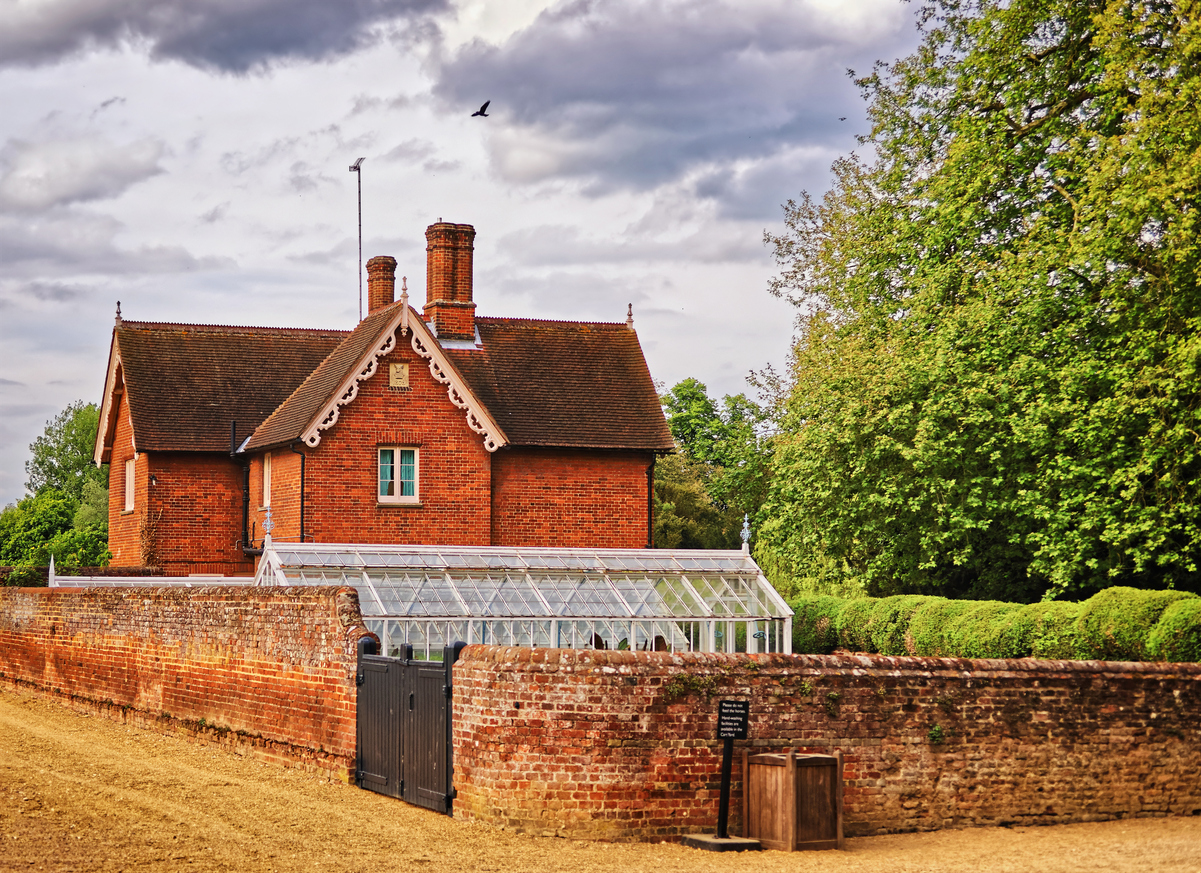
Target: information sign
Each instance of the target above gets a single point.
(732, 718)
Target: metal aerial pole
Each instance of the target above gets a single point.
(356, 168)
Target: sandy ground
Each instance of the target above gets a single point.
(84, 793)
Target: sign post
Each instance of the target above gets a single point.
(733, 717)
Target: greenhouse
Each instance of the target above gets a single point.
(430, 596)
(646, 600)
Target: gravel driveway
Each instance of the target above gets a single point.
(88, 794)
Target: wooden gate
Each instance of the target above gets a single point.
(404, 726)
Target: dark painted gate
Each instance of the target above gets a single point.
(404, 726)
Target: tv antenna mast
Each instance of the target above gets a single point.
(356, 168)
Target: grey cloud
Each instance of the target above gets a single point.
(411, 150)
(65, 244)
(212, 34)
(441, 166)
(51, 292)
(632, 94)
(561, 245)
(24, 410)
(36, 176)
(217, 213)
(563, 293)
(9, 383)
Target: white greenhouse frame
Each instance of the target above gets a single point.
(430, 596)
(642, 599)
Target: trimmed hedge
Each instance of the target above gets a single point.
(1177, 635)
(1125, 624)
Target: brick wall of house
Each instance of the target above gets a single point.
(620, 745)
(270, 670)
(569, 498)
(124, 538)
(285, 496)
(194, 514)
(454, 467)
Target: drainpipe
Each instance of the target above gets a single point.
(292, 448)
(247, 548)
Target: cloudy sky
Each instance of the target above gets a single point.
(190, 159)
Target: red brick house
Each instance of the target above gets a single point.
(426, 428)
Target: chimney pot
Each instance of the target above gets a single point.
(381, 282)
(448, 282)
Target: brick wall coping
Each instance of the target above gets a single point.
(236, 591)
(551, 660)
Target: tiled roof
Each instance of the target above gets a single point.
(187, 382)
(565, 383)
(296, 413)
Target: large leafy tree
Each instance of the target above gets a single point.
(996, 379)
(61, 457)
(65, 514)
(721, 474)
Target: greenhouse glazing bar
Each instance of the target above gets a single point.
(637, 599)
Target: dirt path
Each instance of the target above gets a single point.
(82, 793)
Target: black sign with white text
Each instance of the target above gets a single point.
(732, 717)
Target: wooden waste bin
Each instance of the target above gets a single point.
(792, 802)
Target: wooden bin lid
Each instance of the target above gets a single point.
(775, 759)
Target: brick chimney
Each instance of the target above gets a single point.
(448, 282)
(381, 282)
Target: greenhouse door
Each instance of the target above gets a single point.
(404, 728)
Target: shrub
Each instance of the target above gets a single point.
(1115, 624)
(889, 623)
(815, 624)
(854, 624)
(987, 629)
(1049, 629)
(1177, 634)
(930, 623)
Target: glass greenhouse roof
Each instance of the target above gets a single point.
(406, 582)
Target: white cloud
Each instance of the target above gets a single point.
(36, 176)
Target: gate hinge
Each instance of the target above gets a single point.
(447, 691)
(359, 678)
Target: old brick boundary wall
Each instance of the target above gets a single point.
(269, 672)
(620, 745)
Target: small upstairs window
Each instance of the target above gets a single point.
(267, 479)
(129, 483)
(397, 475)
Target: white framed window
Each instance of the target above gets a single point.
(129, 483)
(398, 479)
(267, 479)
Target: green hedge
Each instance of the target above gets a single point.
(1123, 624)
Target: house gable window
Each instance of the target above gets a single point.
(397, 475)
(129, 483)
(267, 479)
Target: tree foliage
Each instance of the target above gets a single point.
(65, 514)
(996, 378)
(62, 455)
(721, 473)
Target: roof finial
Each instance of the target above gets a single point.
(118, 312)
(630, 316)
(404, 305)
(746, 533)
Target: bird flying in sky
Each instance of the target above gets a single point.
(483, 110)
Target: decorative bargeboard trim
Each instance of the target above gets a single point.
(441, 369)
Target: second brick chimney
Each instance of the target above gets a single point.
(448, 280)
(381, 282)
